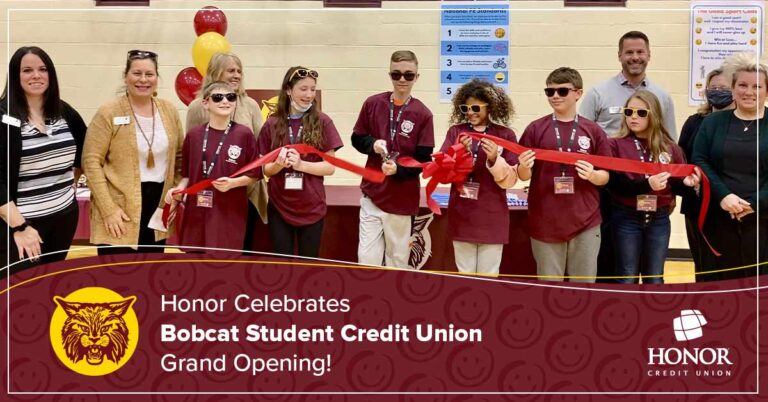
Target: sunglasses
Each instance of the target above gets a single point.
(550, 92)
(474, 108)
(216, 98)
(303, 73)
(628, 111)
(141, 54)
(396, 75)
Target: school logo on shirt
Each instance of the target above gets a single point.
(584, 143)
(665, 158)
(420, 242)
(233, 152)
(406, 127)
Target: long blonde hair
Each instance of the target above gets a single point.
(216, 69)
(659, 139)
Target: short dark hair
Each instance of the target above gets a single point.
(14, 93)
(634, 35)
(565, 75)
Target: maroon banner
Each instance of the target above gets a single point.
(282, 329)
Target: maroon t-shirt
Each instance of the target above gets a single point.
(222, 226)
(485, 219)
(557, 218)
(625, 148)
(395, 195)
(306, 206)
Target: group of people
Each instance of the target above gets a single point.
(583, 222)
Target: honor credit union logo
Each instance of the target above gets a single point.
(94, 331)
(687, 360)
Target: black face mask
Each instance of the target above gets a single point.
(719, 98)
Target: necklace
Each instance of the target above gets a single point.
(746, 126)
(150, 140)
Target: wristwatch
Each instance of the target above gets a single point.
(20, 228)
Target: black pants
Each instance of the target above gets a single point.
(250, 226)
(285, 236)
(151, 193)
(57, 232)
(703, 259)
(606, 261)
(737, 242)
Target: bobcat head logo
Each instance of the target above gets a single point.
(420, 242)
(94, 338)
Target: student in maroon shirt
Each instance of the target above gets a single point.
(563, 202)
(392, 124)
(216, 217)
(642, 203)
(296, 192)
(478, 216)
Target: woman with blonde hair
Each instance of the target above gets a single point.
(131, 158)
(726, 149)
(227, 67)
(642, 203)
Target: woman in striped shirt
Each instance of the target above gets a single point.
(41, 161)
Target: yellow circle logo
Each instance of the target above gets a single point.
(753, 20)
(500, 77)
(698, 41)
(94, 331)
(699, 85)
(753, 42)
(699, 20)
(500, 32)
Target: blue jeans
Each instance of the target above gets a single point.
(641, 242)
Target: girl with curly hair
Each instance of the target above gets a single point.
(478, 216)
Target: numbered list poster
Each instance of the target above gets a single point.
(474, 43)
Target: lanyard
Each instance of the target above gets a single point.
(641, 152)
(208, 169)
(560, 142)
(291, 138)
(393, 123)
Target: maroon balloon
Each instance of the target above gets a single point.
(210, 19)
(187, 84)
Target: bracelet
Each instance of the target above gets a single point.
(20, 228)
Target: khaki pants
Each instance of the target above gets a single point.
(477, 258)
(384, 237)
(577, 257)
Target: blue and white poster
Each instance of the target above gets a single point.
(474, 43)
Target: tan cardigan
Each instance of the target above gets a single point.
(248, 114)
(111, 163)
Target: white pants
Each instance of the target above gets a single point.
(477, 258)
(576, 257)
(384, 237)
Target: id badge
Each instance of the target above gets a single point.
(564, 185)
(294, 181)
(470, 190)
(646, 203)
(205, 199)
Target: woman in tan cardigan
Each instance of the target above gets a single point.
(131, 158)
(227, 67)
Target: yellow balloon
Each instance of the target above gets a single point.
(205, 46)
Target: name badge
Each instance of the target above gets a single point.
(294, 181)
(564, 185)
(11, 121)
(647, 203)
(121, 120)
(614, 109)
(470, 190)
(205, 199)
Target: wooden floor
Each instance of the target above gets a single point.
(674, 271)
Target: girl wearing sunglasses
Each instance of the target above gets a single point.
(642, 203)
(228, 67)
(296, 193)
(131, 158)
(216, 217)
(478, 216)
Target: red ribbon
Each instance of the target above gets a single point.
(375, 176)
(569, 158)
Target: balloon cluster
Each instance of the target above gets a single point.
(210, 26)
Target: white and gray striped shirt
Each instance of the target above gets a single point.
(45, 174)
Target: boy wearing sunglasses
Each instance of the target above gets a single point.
(563, 201)
(390, 125)
(216, 216)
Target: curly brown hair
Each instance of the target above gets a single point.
(500, 108)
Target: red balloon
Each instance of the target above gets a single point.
(210, 19)
(188, 82)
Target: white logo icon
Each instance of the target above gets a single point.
(234, 152)
(584, 142)
(406, 127)
(688, 325)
